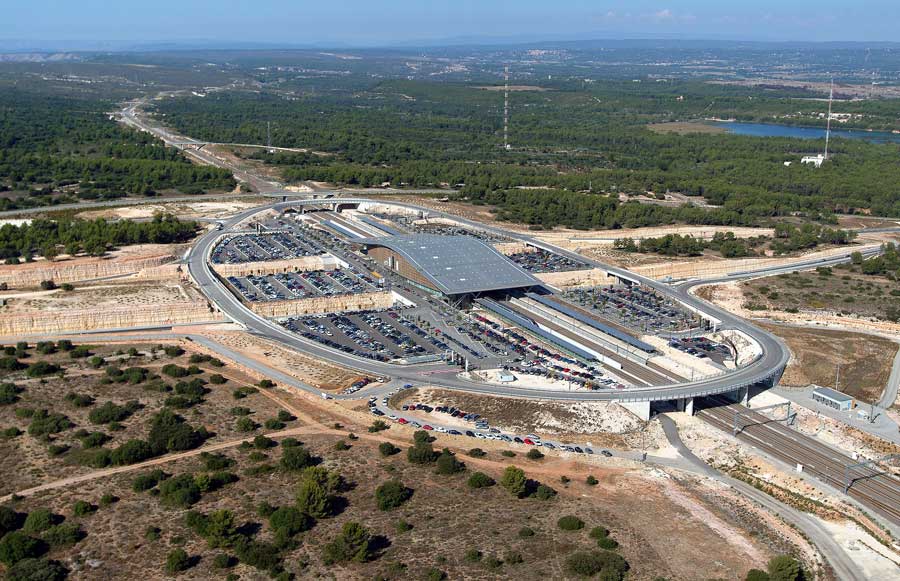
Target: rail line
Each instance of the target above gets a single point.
(877, 490)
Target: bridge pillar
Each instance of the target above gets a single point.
(686, 405)
(639, 408)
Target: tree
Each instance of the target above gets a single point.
(353, 544)
(313, 499)
(392, 494)
(290, 520)
(514, 481)
(37, 570)
(179, 492)
(16, 546)
(421, 453)
(447, 463)
(39, 520)
(177, 561)
(784, 568)
(756, 575)
(296, 458)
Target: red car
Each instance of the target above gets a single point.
(427, 427)
(402, 421)
(528, 441)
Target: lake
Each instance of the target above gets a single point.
(772, 130)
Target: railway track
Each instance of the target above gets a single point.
(634, 372)
(876, 490)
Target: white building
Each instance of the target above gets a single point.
(816, 160)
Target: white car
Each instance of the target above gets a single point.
(441, 430)
(480, 435)
(392, 417)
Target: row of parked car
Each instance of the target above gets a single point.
(480, 424)
(541, 261)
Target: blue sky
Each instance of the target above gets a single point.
(385, 22)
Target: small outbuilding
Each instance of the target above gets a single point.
(833, 398)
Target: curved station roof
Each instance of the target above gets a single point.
(456, 264)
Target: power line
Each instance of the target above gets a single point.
(506, 107)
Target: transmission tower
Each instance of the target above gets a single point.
(828, 121)
(506, 107)
(269, 136)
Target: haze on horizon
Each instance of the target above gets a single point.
(49, 24)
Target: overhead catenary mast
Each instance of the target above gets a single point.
(506, 107)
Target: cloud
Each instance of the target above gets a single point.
(664, 15)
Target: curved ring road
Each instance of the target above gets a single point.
(769, 365)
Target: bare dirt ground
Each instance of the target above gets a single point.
(668, 526)
(606, 424)
(100, 296)
(316, 372)
(187, 211)
(865, 360)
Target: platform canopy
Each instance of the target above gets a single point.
(456, 265)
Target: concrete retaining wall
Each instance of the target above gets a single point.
(261, 268)
(316, 305)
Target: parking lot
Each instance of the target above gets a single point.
(379, 335)
(301, 285)
(635, 308)
(541, 261)
(702, 348)
(264, 247)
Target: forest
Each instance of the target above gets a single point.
(788, 238)
(48, 238)
(587, 140)
(56, 149)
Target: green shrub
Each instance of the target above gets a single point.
(296, 458)
(37, 570)
(447, 463)
(421, 453)
(44, 423)
(526, 532)
(110, 412)
(514, 481)
(290, 520)
(392, 494)
(353, 544)
(179, 492)
(12, 432)
(108, 500)
(784, 568)
(607, 543)
(341, 445)
(79, 400)
(598, 533)
(245, 425)
(16, 547)
(477, 453)
(591, 481)
(148, 480)
(9, 393)
(480, 480)
(508, 453)
(473, 556)
(388, 449)
(378, 426)
(42, 369)
(63, 535)
(216, 461)
(544, 492)
(83, 508)
(177, 561)
(609, 565)
(534, 454)
(402, 526)
(39, 520)
(570, 523)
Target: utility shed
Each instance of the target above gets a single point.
(833, 398)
